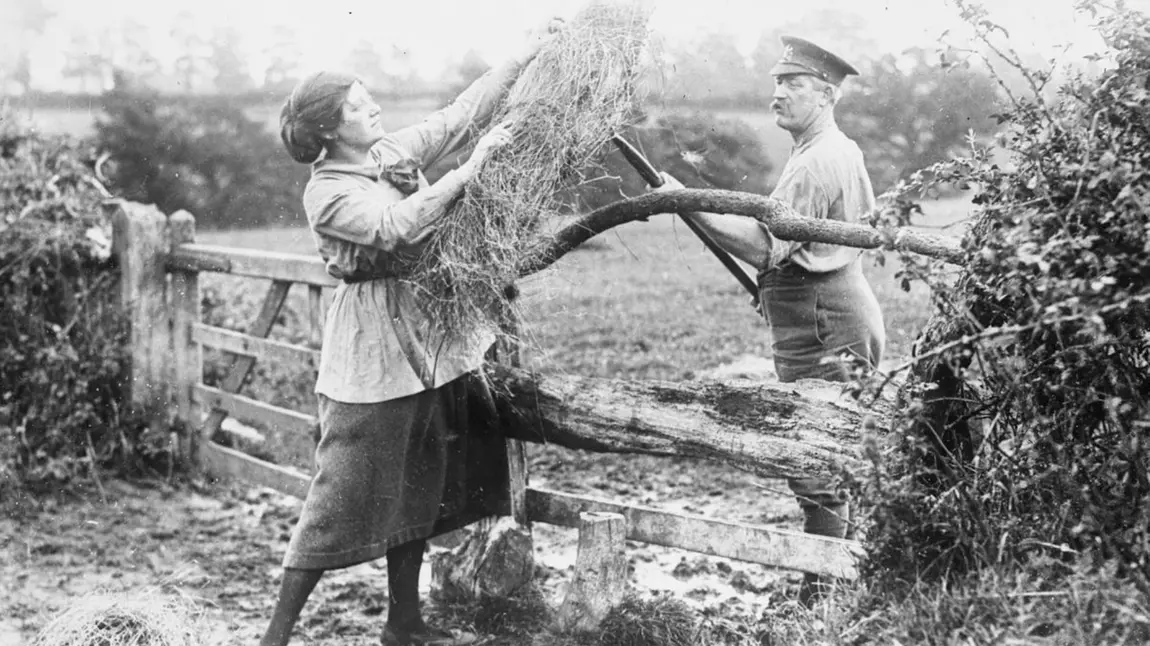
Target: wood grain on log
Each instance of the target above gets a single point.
(782, 221)
(802, 429)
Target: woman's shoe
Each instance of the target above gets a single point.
(426, 636)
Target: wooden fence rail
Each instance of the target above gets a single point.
(162, 264)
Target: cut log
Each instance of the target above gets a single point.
(600, 576)
(803, 429)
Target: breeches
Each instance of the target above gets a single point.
(815, 318)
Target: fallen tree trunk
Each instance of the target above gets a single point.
(802, 429)
(782, 221)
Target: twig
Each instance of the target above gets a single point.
(20, 259)
(98, 186)
(773, 490)
(99, 167)
(104, 278)
(92, 467)
(52, 185)
(51, 201)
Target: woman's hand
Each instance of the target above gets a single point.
(500, 135)
(539, 38)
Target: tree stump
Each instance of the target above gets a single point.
(600, 576)
(495, 559)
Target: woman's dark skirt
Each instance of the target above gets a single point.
(396, 471)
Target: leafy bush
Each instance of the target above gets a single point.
(201, 154)
(697, 148)
(1025, 435)
(62, 337)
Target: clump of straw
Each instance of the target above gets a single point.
(123, 620)
(662, 621)
(577, 92)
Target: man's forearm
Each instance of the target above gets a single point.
(741, 237)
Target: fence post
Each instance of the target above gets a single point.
(188, 361)
(600, 577)
(511, 352)
(140, 243)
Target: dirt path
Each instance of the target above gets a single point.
(221, 544)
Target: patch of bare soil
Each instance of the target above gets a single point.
(221, 544)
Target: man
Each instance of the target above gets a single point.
(814, 295)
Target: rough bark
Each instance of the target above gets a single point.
(801, 429)
(782, 221)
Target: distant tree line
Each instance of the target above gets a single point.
(211, 59)
(181, 139)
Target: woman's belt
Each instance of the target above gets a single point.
(510, 291)
(367, 275)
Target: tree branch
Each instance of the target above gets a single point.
(782, 221)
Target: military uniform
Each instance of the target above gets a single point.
(814, 295)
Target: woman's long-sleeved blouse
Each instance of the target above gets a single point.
(378, 344)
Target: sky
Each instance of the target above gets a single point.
(436, 32)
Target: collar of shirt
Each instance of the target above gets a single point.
(370, 169)
(810, 134)
(384, 152)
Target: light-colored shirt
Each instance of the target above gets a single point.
(378, 343)
(825, 177)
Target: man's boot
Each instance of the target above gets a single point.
(824, 520)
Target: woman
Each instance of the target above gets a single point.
(397, 461)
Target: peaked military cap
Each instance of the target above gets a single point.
(804, 57)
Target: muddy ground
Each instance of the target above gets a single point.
(221, 544)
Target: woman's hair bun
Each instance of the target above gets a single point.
(302, 143)
(314, 108)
